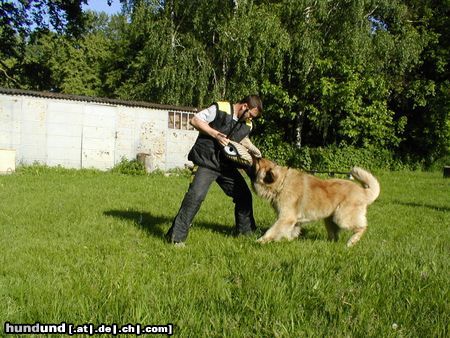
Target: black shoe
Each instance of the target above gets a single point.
(169, 240)
(246, 232)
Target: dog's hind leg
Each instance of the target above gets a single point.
(332, 229)
(357, 233)
(359, 227)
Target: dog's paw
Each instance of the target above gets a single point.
(263, 240)
(295, 232)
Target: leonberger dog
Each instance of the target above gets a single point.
(298, 198)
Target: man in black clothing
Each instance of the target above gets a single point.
(217, 125)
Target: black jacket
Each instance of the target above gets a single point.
(207, 152)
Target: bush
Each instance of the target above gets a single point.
(274, 148)
(332, 158)
(440, 163)
(344, 158)
(128, 167)
(38, 169)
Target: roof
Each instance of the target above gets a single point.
(59, 96)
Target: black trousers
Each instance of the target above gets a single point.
(232, 183)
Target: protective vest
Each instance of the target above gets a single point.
(207, 152)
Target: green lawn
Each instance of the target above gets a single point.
(87, 247)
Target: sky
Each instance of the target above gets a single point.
(102, 6)
(99, 6)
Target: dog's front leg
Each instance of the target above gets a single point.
(295, 232)
(282, 228)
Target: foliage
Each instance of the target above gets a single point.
(440, 163)
(39, 169)
(20, 19)
(332, 73)
(129, 167)
(343, 158)
(274, 148)
(425, 97)
(335, 158)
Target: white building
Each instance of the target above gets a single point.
(86, 132)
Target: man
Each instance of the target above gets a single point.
(217, 125)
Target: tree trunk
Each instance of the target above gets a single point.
(298, 129)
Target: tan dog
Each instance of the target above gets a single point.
(299, 198)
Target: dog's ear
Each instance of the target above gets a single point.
(270, 177)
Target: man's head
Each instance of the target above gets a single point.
(253, 104)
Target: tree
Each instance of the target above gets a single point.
(342, 70)
(19, 19)
(363, 73)
(425, 97)
(61, 63)
(23, 23)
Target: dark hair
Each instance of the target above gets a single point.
(253, 101)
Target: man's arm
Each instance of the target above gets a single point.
(201, 120)
(205, 128)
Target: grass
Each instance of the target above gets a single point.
(87, 247)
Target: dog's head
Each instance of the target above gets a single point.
(263, 171)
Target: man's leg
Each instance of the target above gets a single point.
(234, 185)
(192, 201)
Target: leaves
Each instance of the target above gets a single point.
(354, 73)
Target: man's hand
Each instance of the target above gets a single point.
(222, 139)
(205, 128)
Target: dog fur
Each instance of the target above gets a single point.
(298, 198)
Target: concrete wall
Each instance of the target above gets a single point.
(82, 134)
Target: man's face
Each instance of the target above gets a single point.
(250, 114)
(253, 113)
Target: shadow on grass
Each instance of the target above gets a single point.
(153, 224)
(215, 227)
(420, 205)
(310, 234)
(144, 220)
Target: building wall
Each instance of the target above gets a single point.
(81, 134)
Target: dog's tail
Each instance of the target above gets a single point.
(370, 183)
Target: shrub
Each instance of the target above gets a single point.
(274, 148)
(440, 163)
(129, 167)
(332, 158)
(38, 169)
(345, 157)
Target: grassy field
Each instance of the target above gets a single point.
(87, 247)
